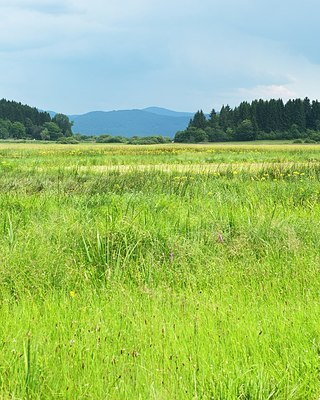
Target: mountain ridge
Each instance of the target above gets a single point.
(134, 122)
(168, 112)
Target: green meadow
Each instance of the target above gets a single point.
(159, 272)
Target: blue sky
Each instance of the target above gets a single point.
(74, 56)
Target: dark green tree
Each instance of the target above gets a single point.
(226, 118)
(308, 113)
(213, 120)
(17, 130)
(315, 114)
(63, 123)
(191, 135)
(245, 131)
(45, 134)
(4, 128)
(53, 129)
(199, 120)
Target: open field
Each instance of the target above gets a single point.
(159, 272)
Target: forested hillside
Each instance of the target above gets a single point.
(260, 119)
(19, 121)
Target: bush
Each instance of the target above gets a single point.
(67, 140)
(245, 131)
(191, 135)
(149, 140)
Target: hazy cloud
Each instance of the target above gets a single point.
(74, 56)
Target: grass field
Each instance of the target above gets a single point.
(159, 272)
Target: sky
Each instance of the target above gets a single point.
(76, 56)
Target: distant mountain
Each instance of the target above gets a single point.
(149, 121)
(169, 113)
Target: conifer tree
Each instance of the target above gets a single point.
(199, 120)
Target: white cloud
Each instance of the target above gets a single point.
(267, 92)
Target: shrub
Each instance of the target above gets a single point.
(67, 140)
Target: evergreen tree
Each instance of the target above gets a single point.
(294, 114)
(299, 115)
(261, 116)
(31, 119)
(280, 113)
(199, 120)
(263, 119)
(226, 118)
(308, 113)
(242, 112)
(213, 121)
(315, 114)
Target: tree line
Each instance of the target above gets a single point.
(260, 119)
(19, 121)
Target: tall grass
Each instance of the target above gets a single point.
(163, 285)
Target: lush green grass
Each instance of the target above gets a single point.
(57, 156)
(164, 285)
